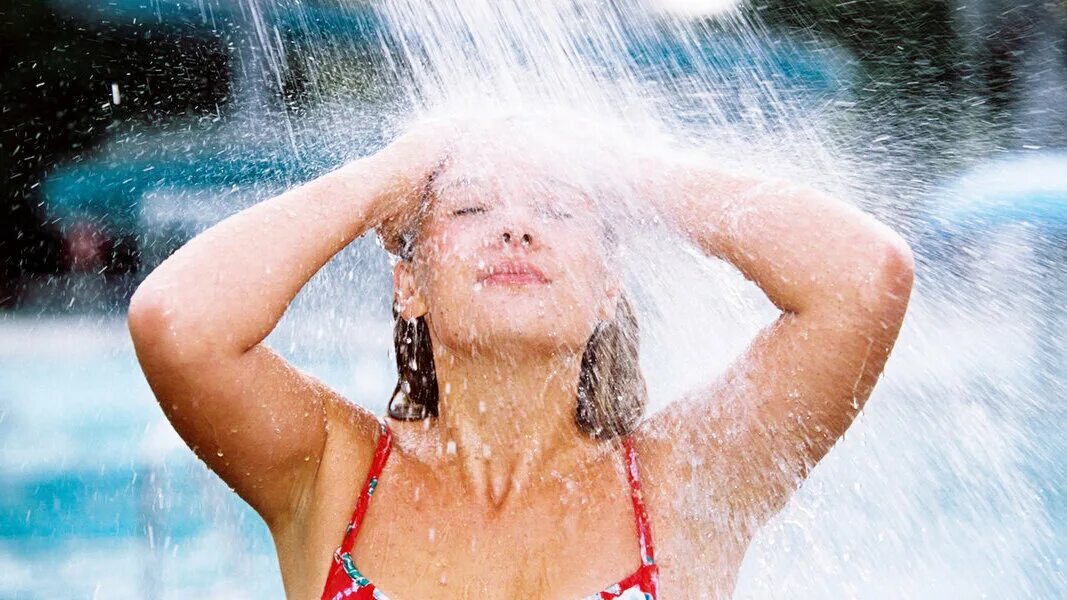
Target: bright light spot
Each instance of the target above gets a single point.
(698, 8)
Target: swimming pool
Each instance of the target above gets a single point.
(99, 497)
(936, 492)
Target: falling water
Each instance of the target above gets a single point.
(951, 481)
(950, 484)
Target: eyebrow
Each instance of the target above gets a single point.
(552, 183)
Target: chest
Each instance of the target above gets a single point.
(424, 539)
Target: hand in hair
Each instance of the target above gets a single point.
(411, 162)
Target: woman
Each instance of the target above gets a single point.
(513, 462)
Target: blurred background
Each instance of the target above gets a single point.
(128, 126)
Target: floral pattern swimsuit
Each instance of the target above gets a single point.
(345, 580)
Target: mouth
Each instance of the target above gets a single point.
(512, 272)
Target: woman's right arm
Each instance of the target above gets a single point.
(199, 319)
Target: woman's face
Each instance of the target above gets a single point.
(508, 265)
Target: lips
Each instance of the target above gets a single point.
(512, 272)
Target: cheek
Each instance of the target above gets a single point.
(580, 286)
(442, 282)
(585, 259)
(587, 289)
(445, 269)
(448, 242)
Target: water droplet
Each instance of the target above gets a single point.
(451, 447)
(432, 534)
(219, 454)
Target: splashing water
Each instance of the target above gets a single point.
(951, 481)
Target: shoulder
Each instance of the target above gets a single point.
(653, 471)
(352, 435)
(691, 509)
(676, 481)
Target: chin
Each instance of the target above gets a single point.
(511, 317)
(548, 332)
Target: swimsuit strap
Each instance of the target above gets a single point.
(385, 437)
(381, 454)
(644, 530)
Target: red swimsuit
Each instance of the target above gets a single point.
(345, 580)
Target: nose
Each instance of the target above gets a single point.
(522, 240)
(517, 229)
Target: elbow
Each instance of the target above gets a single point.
(892, 279)
(146, 313)
(148, 319)
(156, 329)
(898, 265)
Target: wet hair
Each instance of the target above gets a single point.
(611, 389)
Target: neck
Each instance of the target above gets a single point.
(503, 419)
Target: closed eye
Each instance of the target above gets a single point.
(556, 213)
(467, 211)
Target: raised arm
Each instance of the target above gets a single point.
(842, 281)
(198, 322)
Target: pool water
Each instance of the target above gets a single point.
(937, 491)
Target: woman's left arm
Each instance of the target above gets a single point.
(842, 281)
